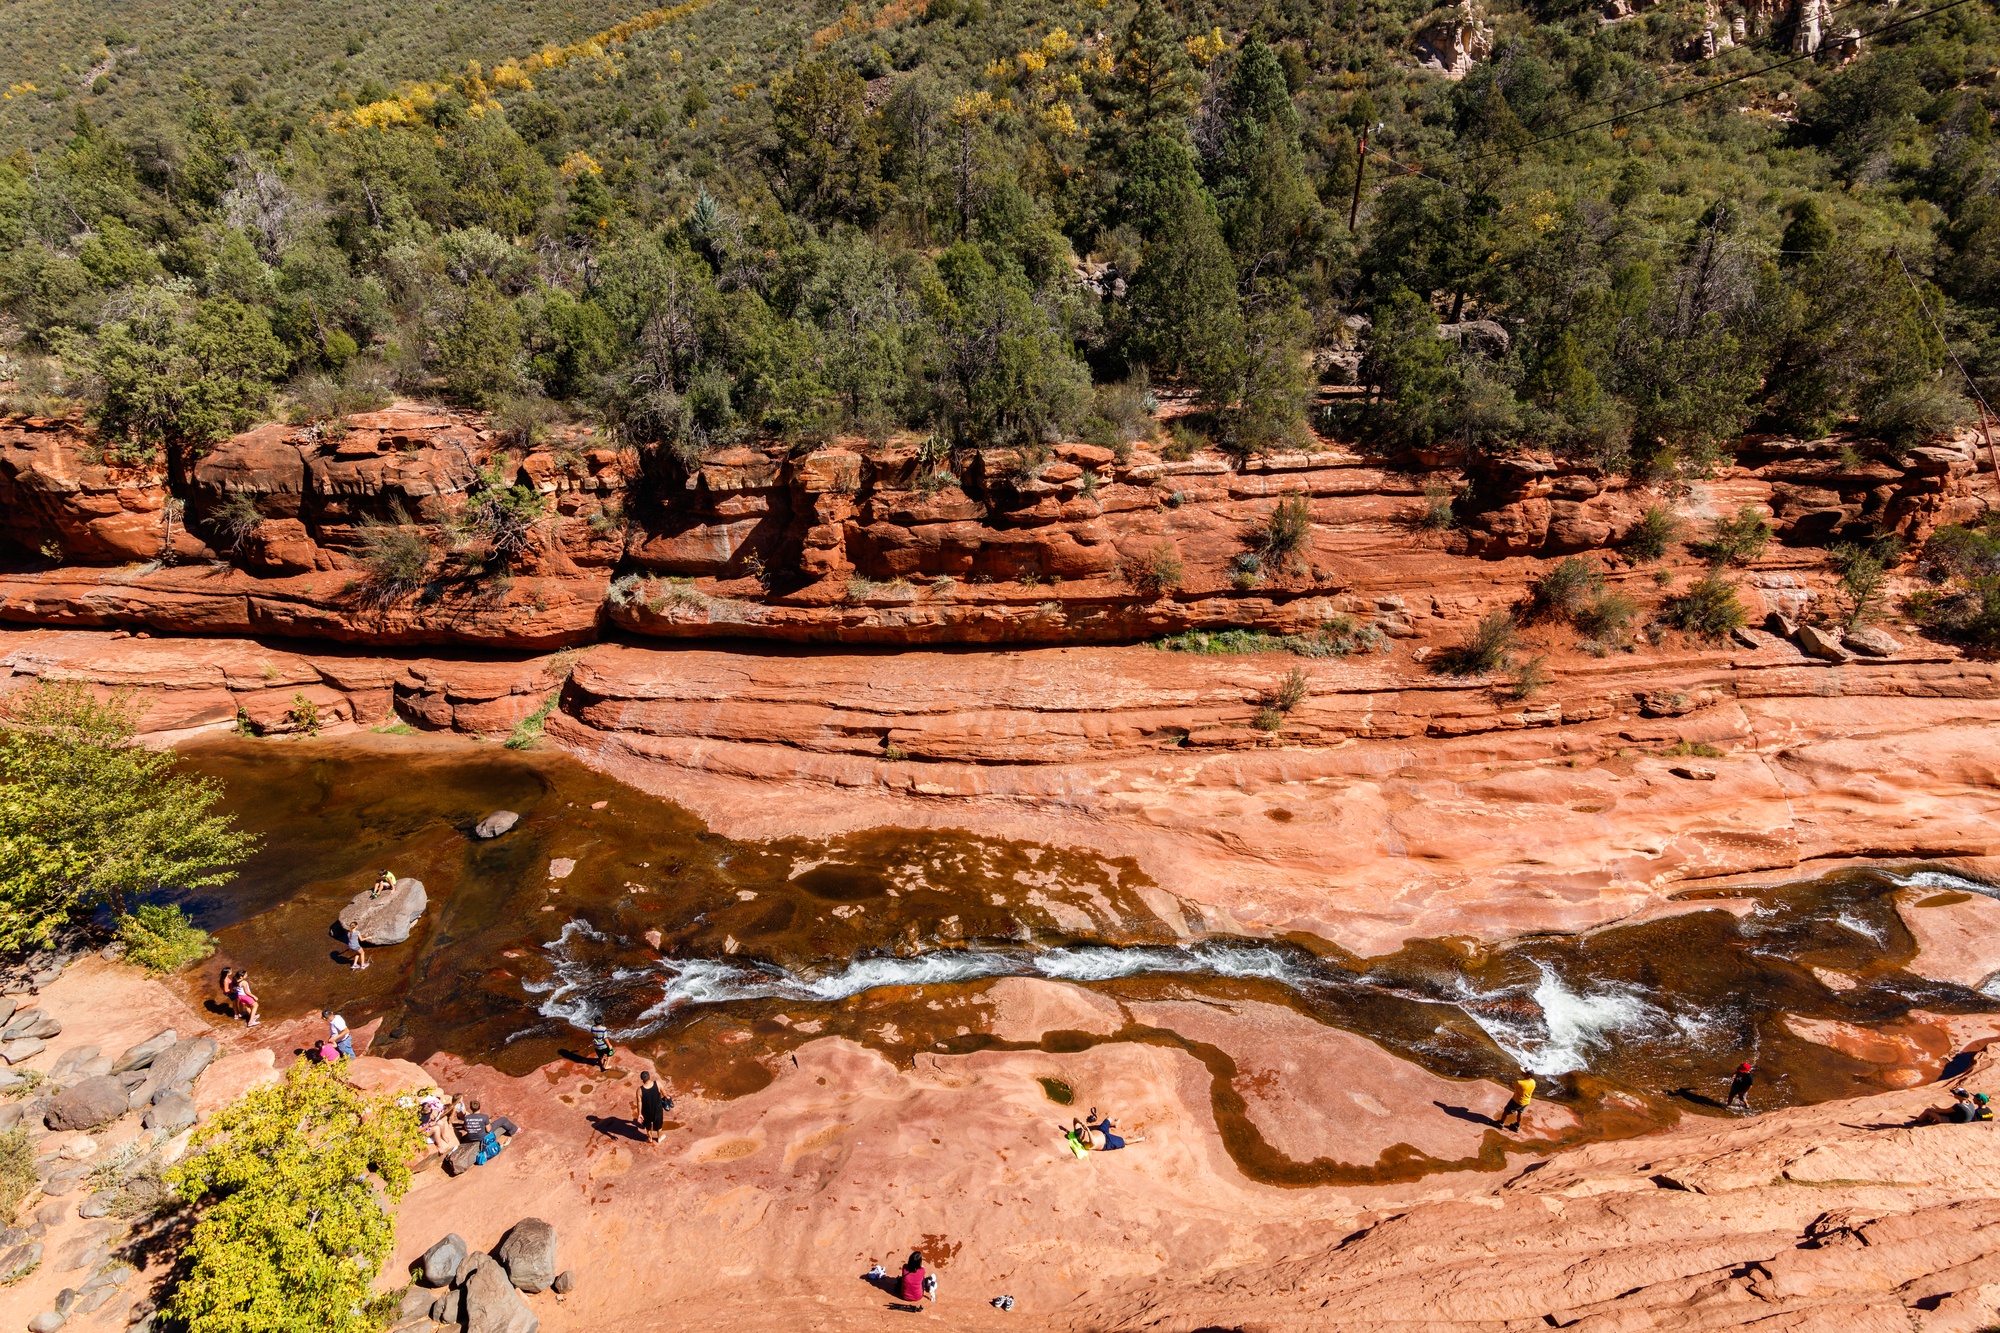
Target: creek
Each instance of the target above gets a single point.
(715, 957)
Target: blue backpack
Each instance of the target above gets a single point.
(489, 1148)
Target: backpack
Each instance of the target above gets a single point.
(489, 1148)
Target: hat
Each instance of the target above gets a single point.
(1745, 1068)
(1980, 1097)
(1960, 1093)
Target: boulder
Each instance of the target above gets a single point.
(138, 1057)
(475, 1261)
(493, 1306)
(17, 1262)
(462, 1159)
(441, 1261)
(528, 1251)
(48, 1321)
(8, 1004)
(448, 1308)
(31, 1024)
(415, 1302)
(172, 1113)
(1874, 642)
(69, 1066)
(93, 1102)
(22, 1048)
(495, 824)
(1823, 644)
(1693, 774)
(388, 919)
(176, 1067)
(564, 1284)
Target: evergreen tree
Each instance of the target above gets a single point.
(1154, 81)
(1181, 313)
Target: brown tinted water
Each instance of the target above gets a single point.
(716, 956)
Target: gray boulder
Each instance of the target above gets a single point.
(463, 1158)
(493, 1306)
(145, 1052)
(528, 1251)
(495, 824)
(34, 1024)
(475, 1261)
(172, 1113)
(21, 1048)
(388, 919)
(93, 1102)
(564, 1284)
(48, 1321)
(17, 1262)
(1823, 644)
(176, 1067)
(442, 1261)
(1872, 641)
(449, 1308)
(70, 1064)
(415, 1302)
(8, 1004)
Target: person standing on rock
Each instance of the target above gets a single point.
(1524, 1092)
(1739, 1086)
(652, 1104)
(337, 1033)
(354, 947)
(600, 1044)
(246, 999)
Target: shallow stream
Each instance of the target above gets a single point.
(716, 956)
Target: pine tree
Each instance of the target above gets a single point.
(1155, 84)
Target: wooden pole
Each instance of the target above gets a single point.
(1360, 165)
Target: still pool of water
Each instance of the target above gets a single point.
(716, 956)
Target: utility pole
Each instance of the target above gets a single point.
(1360, 165)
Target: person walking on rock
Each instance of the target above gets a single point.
(1524, 1092)
(354, 947)
(1739, 1086)
(600, 1043)
(652, 1104)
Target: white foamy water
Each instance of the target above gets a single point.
(574, 993)
(1942, 879)
(1572, 1023)
(1867, 931)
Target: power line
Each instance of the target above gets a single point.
(1985, 412)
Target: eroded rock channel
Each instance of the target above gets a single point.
(719, 958)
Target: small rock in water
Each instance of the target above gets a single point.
(495, 824)
(1693, 774)
(599, 805)
(560, 867)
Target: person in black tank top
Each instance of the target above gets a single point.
(652, 1107)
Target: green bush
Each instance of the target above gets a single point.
(162, 939)
(1285, 532)
(1656, 530)
(1160, 573)
(291, 1188)
(1709, 608)
(1739, 540)
(396, 556)
(1606, 618)
(1565, 591)
(1486, 649)
(17, 1170)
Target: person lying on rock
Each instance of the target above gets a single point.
(1095, 1134)
(436, 1125)
(1966, 1108)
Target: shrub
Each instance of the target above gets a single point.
(1291, 691)
(291, 1188)
(1654, 533)
(1737, 541)
(1863, 572)
(1437, 512)
(17, 1169)
(1966, 562)
(395, 554)
(1565, 590)
(1182, 443)
(1286, 530)
(235, 519)
(1529, 677)
(1245, 569)
(1606, 618)
(303, 715)
(160, 938)
(1161, 572)
(1691, 750)
(1268, 719)
(1485, 649)
(528, 731)
(1709, 608)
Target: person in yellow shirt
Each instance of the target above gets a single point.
(1524, 1092)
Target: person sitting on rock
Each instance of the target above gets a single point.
(1965, 1109)
(916, 1284)
(246, 999)
(436, 1125)
(473, 1127)
(384, 884)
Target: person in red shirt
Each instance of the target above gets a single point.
(915, 1283)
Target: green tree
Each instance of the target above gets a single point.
(825, 154)
(87, 817)
(1181, 314)
(478, 343)
(1153, 83)
(290, 1186)
(181, 371)
(1000, 364)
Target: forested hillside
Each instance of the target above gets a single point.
(990, 222)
